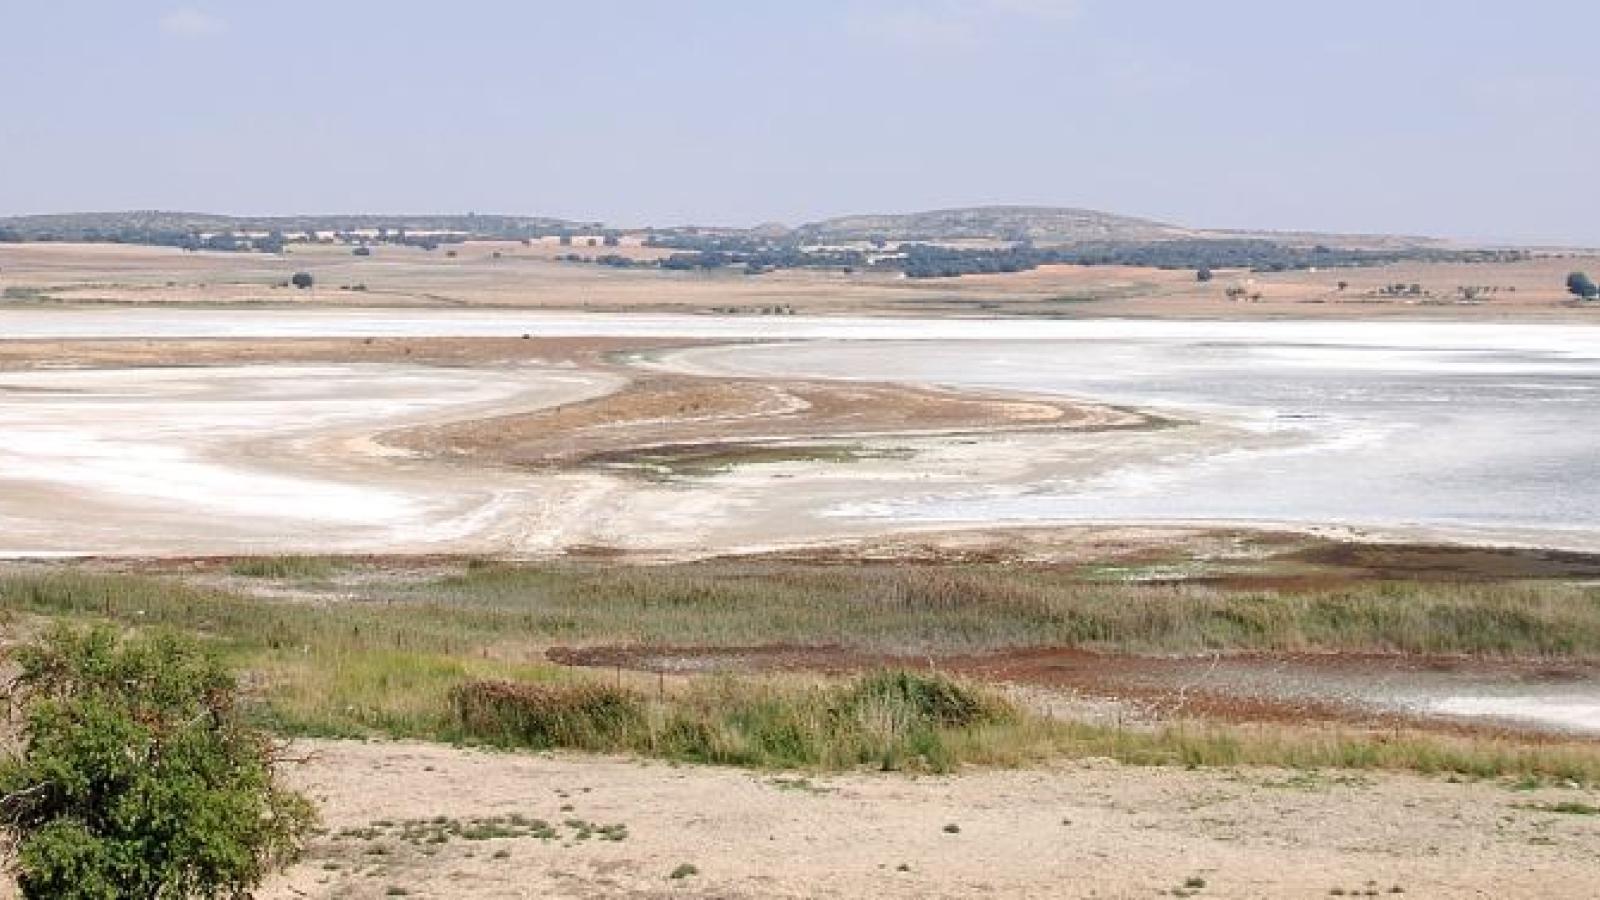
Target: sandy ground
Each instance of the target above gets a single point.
(1093, 829)
(692, 415)
(527, 277)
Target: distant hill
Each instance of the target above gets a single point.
(1004, 223)
(1038, 225)
(67, 226)
(1047, 226)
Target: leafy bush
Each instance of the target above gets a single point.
(137, 777)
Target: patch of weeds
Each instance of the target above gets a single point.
(429, 834)
(684, 870)
(801, 784)
(307, 567)
(705, 460)
(1566, 808)
(952, 828)
(1315, 781)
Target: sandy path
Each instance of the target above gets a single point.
(1092, 829)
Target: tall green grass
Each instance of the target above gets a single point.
(978, 607)
(396, 663)
(890, 720)
(516, 611)
(284, 567)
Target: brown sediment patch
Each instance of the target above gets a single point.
(1446, 562)
(1151, 688)
(1249, 558)
(672, 415)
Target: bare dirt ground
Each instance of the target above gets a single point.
(698, 416)
(1093, 829)
(508, 274)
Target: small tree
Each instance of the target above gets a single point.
(1203, 274)
(138, 777)
(1580, 284)
(302, 280)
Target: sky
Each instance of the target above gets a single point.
(1454, 118)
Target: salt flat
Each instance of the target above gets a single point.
(238, 459)
(1476, 430)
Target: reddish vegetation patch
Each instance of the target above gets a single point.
(1155, 687)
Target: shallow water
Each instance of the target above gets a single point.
(1408, 432)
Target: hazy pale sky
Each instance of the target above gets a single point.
(1447, 117)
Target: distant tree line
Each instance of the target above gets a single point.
(936, 261)
(273, 235)
(1202, 255)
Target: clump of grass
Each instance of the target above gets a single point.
(284, 567)
(684, 870)
(892, 720)
(584, 716)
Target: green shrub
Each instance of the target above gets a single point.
(137, 777)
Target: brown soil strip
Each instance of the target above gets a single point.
(1159, 688)
(673, 414)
